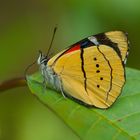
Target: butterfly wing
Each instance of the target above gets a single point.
(92, 74)
(117, 40)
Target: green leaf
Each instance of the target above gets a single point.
(121, 121)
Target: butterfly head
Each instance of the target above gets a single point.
(42, 59)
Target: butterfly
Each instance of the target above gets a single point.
(91, 71)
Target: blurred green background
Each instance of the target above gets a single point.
(26, 27)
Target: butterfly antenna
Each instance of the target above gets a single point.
(54, 32)
(28, 67)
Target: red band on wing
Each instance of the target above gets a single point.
(74, 48)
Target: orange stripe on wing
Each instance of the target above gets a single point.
(74, 48)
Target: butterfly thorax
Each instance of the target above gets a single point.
(49, 76)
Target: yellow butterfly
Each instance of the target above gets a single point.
(92, 71)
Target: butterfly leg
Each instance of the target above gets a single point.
(61, 87)
(44, 78)
(44, 82)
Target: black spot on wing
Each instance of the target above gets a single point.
(101, 78)
(97, 71)
(94, 58)
(97, 65)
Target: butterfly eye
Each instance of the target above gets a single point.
(44, 60)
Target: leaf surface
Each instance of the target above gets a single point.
(121, 121)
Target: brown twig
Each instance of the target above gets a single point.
(13, 83)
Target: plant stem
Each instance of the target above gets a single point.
(12, 83)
